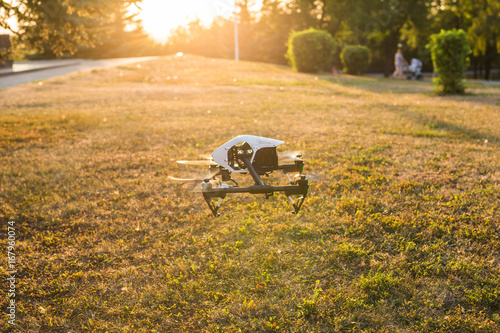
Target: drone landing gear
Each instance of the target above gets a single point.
(267, 190)
(296, 206)
(299, 187)
(214, 208)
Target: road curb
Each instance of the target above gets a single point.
(39, 69)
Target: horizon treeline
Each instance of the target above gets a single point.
(380, 25)
(106, 28)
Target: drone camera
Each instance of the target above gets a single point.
(226, 175)
(266, 160)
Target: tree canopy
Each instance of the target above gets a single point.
(79, 26)
(380, 25)
(64, 26)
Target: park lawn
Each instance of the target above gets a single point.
(399, 233)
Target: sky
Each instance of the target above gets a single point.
(159, 17)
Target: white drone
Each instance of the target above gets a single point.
(257, 156)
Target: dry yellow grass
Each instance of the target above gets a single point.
(400, 231)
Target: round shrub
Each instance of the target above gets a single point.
(310, 50)
(355, 59)
(449, 53)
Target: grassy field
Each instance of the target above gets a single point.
(400, 232)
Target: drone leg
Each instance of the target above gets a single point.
(212, 206)
(290, 179)
(298, 205)
(235, 182)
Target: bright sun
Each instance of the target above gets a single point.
(159, 17)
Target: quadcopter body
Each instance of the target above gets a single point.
(257, 156)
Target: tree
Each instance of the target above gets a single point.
(384, 24)
(380, 25)
(272, 31)
(59, 26)
(246, 31)
(126, 37)
(484, 32)
(5, 12)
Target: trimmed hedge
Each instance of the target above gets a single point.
(310, 50)
(355, 59)
(449, 53)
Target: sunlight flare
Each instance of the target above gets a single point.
(159, 17)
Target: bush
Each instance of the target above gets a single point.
(355, 59)
(449, 52)
(310, 50)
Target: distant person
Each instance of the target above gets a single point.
(399, 63)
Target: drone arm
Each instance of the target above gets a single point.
(252, 171)
(298, 166)
(256, 189)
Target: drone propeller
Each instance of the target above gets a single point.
(290, 156)
(286, 160)
(198, 182)
(185, 180)
(206, 156)
(200, 162)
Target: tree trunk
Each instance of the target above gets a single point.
(390, 45)
(474, 66)
(491, 54)
(487, 68)
(481, 61)
(388, 64)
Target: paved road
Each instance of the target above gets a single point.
(29, 66)
(31, 71)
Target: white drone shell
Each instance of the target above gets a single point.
(256, 142)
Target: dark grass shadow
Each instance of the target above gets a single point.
(476, 93)
(485, 95)
(453, 130)
(381, 85)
